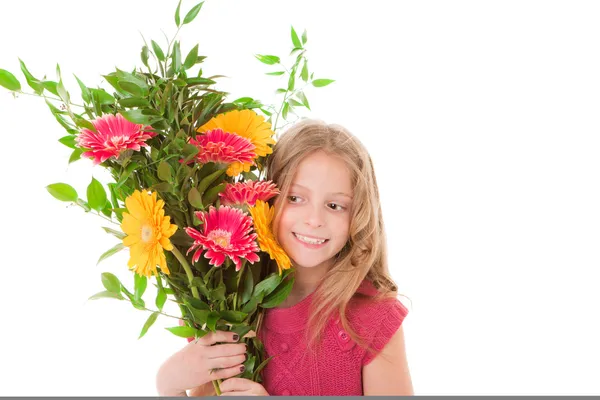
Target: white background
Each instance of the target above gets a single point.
(482, 119)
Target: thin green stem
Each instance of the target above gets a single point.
(169, 46)
(162, 313)
(51, 98)
(216, 385)
(188, 270)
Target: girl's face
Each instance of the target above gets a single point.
(315, 218)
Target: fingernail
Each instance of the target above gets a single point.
(242, 368)
(236, 337)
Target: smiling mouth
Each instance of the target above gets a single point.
(309, 240)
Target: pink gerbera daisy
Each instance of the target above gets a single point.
(219, 146)
(225, 232)
(248, 192)
(114, 134)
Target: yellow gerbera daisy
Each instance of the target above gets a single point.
(148, 231)
(248, 124)
(262, 215)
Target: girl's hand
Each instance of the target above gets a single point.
(242, 387)
(191, 367)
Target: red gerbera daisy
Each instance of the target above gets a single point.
(114, 134)
(225, 232)
(222, 147)
(248, 192)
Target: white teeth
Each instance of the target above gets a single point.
(309, 240)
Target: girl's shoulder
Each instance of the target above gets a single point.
(376, 321)
(364, 303)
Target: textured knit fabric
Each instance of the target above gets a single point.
(294, 371)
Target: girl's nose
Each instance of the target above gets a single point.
(315, 217)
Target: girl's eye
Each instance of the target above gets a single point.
(337, 205)
(292, 198)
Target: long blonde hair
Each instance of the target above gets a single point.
(365, 253)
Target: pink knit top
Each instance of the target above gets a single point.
(294, 371)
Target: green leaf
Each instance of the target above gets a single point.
(158, 51)
(296, 103)
(208, 180)
(136, 117)
(211, 322)
(322, 82)
(189, 17)
(96, 195)
(303, 99)
(107, 295)
(83, 204)
(195, 198)
(304, 73)
(162, 187)
(119, 235)
(118, 247)
(83, 123)
(266, 286)
(104, 98)
(144, 55)
(107, 210)
(295, 39)
(275, 73)
(199, 316)
(247, 285)
(182, 331)
(304, 37)
(176, 56)
(111, 282)
(134, 102)
(249, 364)
(194, 302)
(243, 100)
(189, 151)
(161, 297)
(131, 87)
(149, 322)
(284, 112)
(9, 81)
(62, 192)
(251, 305)
(33, 83)
(68, 141)
(128, 170)
(50, 86)
(199, 81)
(234, 317)
(140, 282)
(75, 155)
(269, 60)
(218, 293)
(60, 87)
(191, 58)
(165, 172)
(260, 368)
(280, 294)
(177, 20)
(211, 195)
(241, 330)
(291, 81)
(85, 92)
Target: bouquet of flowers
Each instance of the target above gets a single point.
(189, 200)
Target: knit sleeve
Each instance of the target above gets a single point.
(392, 314)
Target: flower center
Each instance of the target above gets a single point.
(147, 233)
(220, 237)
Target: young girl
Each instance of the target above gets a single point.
(339, 331)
